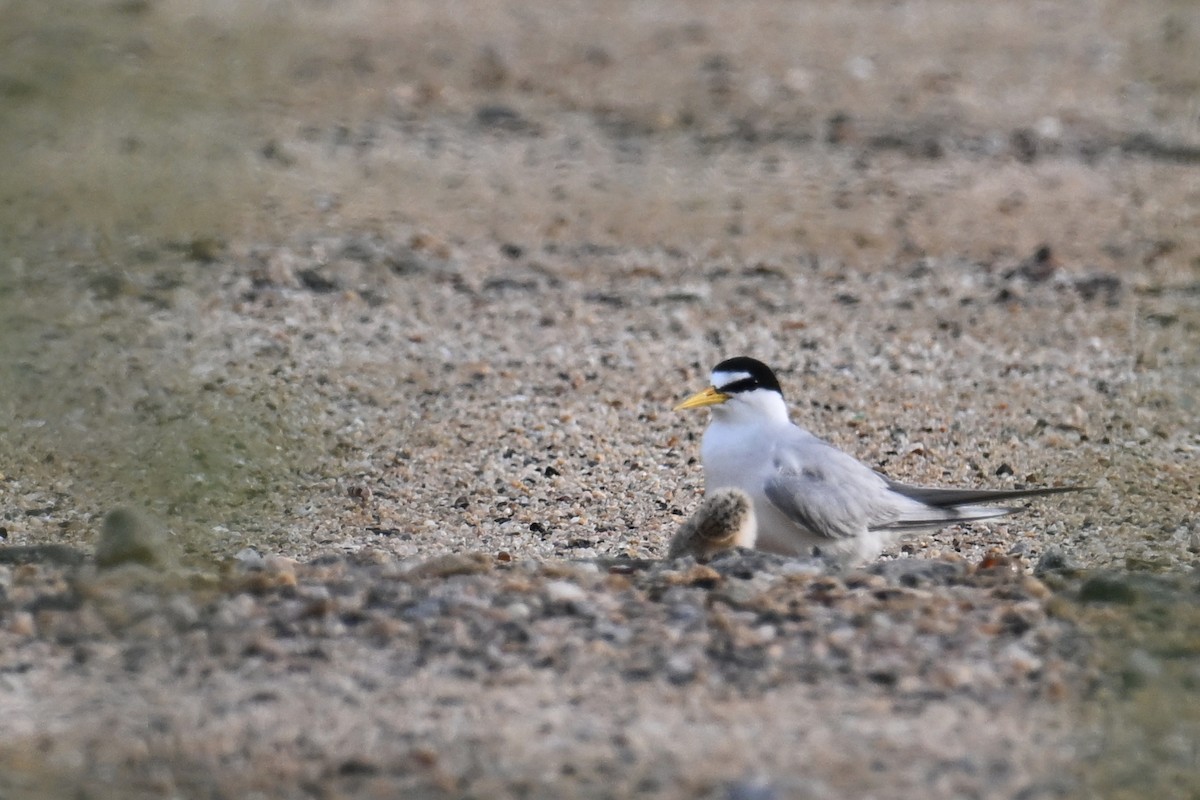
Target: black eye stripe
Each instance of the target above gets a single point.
(742, 385)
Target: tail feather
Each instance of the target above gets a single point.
(938, 507)
(949, 498)
(935, 517)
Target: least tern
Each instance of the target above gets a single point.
(725, 519)
(808, 496)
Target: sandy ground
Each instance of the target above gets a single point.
(413, 284)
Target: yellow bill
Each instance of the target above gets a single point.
(709, 397)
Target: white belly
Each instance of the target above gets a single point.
(743, 464)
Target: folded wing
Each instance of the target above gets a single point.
(834, 495)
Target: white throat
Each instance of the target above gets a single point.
(739, 438)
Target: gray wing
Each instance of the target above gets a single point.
(827, 491)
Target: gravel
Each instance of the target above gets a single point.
(733, 650)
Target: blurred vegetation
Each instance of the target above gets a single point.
(1139, 726)
(113, 129)
(129, 136)
(132, 122)
(100, 420)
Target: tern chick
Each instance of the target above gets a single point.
(725, 519)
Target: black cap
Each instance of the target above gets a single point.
(759, 375)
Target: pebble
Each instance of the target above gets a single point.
(758, 789)
(1018, 659)
(1141, 668)
(248, 558)
(128, 536)
(680, 668)
(518, 611)
(1108, 588)
(182, 611)
(564, 592)
(452, 564)
(20, 623)
(1054, 560)
(283, 568)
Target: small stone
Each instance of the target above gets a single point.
(518, 611)
(1022, 662)
(698, 575)
(996, 561)
(235, 611)
(736, 593)
(951, 675)
(1107, 589)
(283, 568)
(452, 564)
(865, 580)
(182, 612)
(259, 581)
(1140, 669)
(249, 559)
(564, 592)
(1019, 550)
(1053, 560)
(21, 624)
(757, 789)
(680, 669)
(1035, 588)
(278, 563)
(129, 537)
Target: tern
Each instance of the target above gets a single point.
(808, 497)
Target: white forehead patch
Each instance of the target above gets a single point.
(723, 378)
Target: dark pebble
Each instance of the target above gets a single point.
(314, 281)
(1053, 560)
(1107, 589)
(751, 790)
